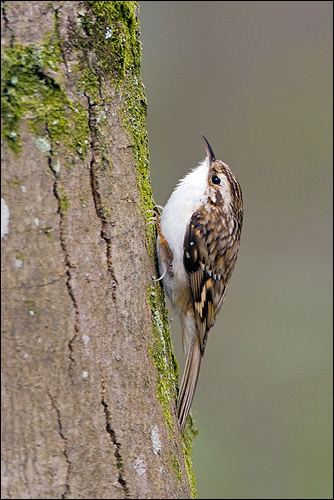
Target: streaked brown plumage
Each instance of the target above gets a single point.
(210, 247)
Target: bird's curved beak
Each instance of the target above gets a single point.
(209, 151)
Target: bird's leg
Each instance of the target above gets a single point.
(166, 255)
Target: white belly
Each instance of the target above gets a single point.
(187, 197)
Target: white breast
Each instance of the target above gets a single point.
(187, 197)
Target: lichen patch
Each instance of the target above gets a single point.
(4, 218)
(155, 439)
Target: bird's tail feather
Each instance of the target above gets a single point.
(189, 382)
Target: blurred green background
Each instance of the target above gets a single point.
(256, 79)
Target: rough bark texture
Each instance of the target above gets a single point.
(88, 373)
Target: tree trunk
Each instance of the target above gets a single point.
(88, 372)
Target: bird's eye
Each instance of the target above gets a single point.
(215, 179)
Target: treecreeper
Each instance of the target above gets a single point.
(197, 246)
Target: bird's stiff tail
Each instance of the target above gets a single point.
(189, 382)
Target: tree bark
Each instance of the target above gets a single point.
(88, 372)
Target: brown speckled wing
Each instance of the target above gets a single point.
(209, 256)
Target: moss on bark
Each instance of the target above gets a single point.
(162, 353)
(31, 92)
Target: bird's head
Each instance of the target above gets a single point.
(222, 186)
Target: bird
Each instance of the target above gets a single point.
(198, 238)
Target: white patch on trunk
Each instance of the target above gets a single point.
(85, 339)
(43, 144)
(155, 438)
(140, 466)
(4, 218)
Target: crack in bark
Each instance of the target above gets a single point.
(68, 278)
(105, 228)
(67, 490)
(25, 466)
(7, 23)
(67, 261)
(39, 285)
(116, 444)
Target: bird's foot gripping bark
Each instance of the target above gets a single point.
(155, 217)
(162, 244)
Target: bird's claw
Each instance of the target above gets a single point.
(158, 209)
(160, 278)
(155, 217)
(151, 220)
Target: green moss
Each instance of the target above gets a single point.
(47, 230)
(161, 351)
(89, 81)
(15, 182)
(106, 210)
(30, 91)
(134, 115)
(64, 202)
(31, 306)
(83, 198)
(113, 32)
(176, 467)
(19, 256)
(188, 438)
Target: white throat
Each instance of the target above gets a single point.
(187, 197)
